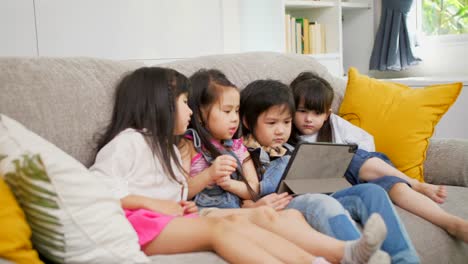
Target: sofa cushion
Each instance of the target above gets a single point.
(400, 118)
(15, 234)
(74, 217)
(432, 243)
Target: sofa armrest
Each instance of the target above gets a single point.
(447, 162)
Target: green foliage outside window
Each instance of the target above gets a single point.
(442, 17)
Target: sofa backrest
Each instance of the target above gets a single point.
(64, 100)
(69, 100)
(243, 68)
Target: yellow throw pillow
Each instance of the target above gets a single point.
(15, 234)
(401, 118)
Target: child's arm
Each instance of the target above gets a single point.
(200, 181)
(134, 202)
(239, 187)
(223, 165)
(273, 200)
(350, 133)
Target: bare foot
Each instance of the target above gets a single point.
(437, 193)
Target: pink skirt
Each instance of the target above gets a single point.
(148, 224)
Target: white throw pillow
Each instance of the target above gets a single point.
(73, 216)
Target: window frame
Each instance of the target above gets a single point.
(446, 40)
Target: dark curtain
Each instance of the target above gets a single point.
(392, 46)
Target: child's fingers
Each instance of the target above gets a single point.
(190, 208)
(281, 203)
(228, 160)
(184, 203)
(222, 179)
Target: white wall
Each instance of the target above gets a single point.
(126, 29)
(357, 44)
(149, 30)
(17, 28)
(262, 25)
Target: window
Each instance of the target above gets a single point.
(442, 17)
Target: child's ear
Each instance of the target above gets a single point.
(203, 115)
(244, 123)
(330, 111)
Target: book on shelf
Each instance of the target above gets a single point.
(304, 22)
(299, 45)
(303, 36)
(287, 29)
(293, 35)
(317, 38)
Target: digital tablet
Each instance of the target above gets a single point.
(317, 168)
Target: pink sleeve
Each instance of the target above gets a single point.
(240, 150)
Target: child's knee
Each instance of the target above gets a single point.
(266, 213)
(292, 214)
(398, 188)
(317, 204)
(370, 189)
(236, 219)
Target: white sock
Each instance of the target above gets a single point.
(320, 260)
(360, 251)
(380, 257)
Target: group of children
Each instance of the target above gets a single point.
(177, 145)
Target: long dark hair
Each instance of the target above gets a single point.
(207, 87)
(256, 98)
(317, 95)
(145, 100)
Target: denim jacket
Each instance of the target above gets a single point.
(271, 172)
(215, 196)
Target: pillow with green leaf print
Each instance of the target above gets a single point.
(73, 216)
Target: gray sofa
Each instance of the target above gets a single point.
(67, 100)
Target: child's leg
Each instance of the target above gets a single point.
(291, 225)
(364, 199)
(300, 233)
(223, 237)
(326, 215)
(420, 205)
(291, 252)
(374, 168)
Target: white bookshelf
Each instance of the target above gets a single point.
(348, 29)
(309, 4)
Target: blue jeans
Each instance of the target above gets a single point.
(364, 199)
(359, 158)
(329, 216)
(326, 215)
(332, 215)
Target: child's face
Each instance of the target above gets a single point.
(309, 122)
(222, 118)
(273, 126)
(183, 113)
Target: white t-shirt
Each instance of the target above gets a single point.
(128, 166)
(343, 132)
